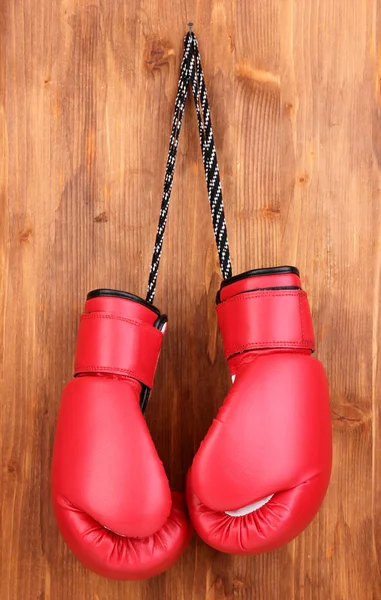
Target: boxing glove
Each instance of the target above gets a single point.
(261, 473)
(110, 493)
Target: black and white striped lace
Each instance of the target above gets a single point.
(209, 158)
(191, 73)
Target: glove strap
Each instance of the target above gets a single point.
(110, 343)
(267, 319)
(191, 73)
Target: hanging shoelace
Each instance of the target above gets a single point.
(191, 73)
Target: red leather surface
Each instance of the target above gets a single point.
(109, 343)
(121, 306)
(125, 558)
(271, 436)
(289, 325)
(110, 492)
(259, 282)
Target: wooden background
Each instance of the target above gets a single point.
(86, 98)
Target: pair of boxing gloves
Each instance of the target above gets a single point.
(260, 474)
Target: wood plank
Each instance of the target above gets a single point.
(375, 267)
(330, 228)
(86, 100)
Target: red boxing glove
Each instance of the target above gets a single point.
(262, 471)
(110, 492)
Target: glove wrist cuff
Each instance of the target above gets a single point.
(261, 318)
(258, 279)
(119, 335)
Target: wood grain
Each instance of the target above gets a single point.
(86, 99)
